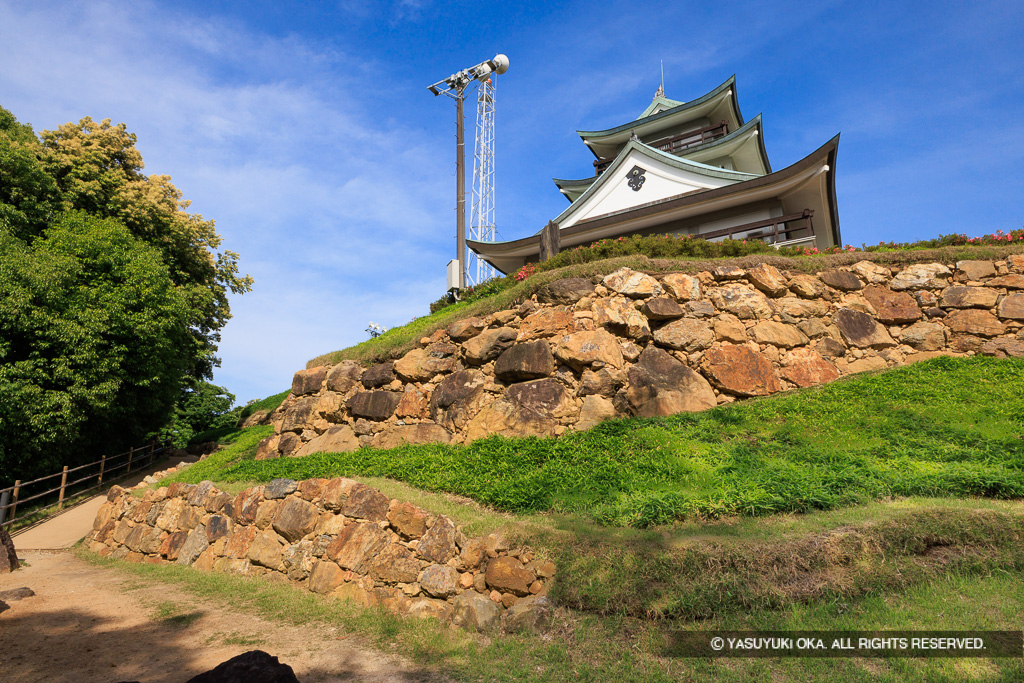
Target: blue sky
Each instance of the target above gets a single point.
(306, 131)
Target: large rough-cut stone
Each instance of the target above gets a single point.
(465, 329)
(279, 488)
(1012, 307)
(741, 301)
(661, 385)
(1002, 348)
(974, 321)
(861, 330)
(605, 381)
(921, 276)
(408, 520)
(872, 273)
(438, 544)
(508, 575)
(289, 443)
(546, 322)
(237, 546)
(685, 334)
(268, 448)
(425, 432)
(308, 381)
(925, 336)
(395, 563)
(530, 360)
(267, 550)
(596, 409)
(975, 270)
(805, 367)
(457, 398)
(729, 328)
(488, 345)
(530, 615)
(356, 545)
(968, 297)
(374, 405)
(379, 375)
(728, 273)
(740, 370)
(867, 364)
(415, 402)
(682, 287)
(364, 502)
(244, 507)
(295, 518)
(338, 439)
(586, 348)
(298, 415)
(419, 365)
(475, 612)
(632, 284)
(892, 307)
(778, 334)
(565, 292)
(193, 546)
(799, 308)
(768, 279)
(620, 316)
(807, 286)
(254, 666)
(525, 409)
(343, 376)
(440, 581)
(325, 577)
(843, 280)
(172, 544)
(1011, 281)
(335, 493)
(662, 308)
(218, 526)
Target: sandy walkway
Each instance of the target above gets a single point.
(88, 623)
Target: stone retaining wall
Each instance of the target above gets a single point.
(338, 538)
(582, 351)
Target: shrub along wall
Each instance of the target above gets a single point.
(335, 537)
(581, 351)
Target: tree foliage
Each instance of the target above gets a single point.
(112, 295)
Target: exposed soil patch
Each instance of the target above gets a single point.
(87, 623)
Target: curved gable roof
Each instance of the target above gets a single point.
(674, 115)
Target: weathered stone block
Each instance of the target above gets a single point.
(892, 307)
(741, 301)
(356, 545)
(488, 345)
(1012, 307)
(440, 581)
(681, 287)
(475, 612)
(768, 279)
(374, 405)
(777, 334)
(861, 330)
(365, 502)
(379, 375)
(843, 280)
(467, 328)
(586, 348)
(438, 543)
(805, 368)
(968, 297)
(407, 519)
(685, 334)
(740, 370)
(295, 518)
(344, 376)
(530, 360)
(325, 577)
(632, 284)
(566, 291)
(308, 381)
(661, 385)
(975, 322)
(508, 575)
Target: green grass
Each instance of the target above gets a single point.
(946, 427)
(588, 647)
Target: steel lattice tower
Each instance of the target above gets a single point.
(482, 222)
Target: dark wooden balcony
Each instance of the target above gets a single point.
(791, 227)
(677, 143)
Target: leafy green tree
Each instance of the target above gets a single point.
(98, 169)
(201, 407)
(28, 194)
(95, 343)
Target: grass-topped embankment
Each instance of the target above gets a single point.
(946, 427)
(650, 255)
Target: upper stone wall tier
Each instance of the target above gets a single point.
(582, 351)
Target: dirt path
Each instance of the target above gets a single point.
(88, 623)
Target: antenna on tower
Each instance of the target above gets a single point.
(482, 224)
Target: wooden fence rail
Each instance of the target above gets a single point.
(11, 497)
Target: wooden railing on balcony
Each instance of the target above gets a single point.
(771, 228)
(676, 143)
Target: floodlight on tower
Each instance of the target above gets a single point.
(455, 87)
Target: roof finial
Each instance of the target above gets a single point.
(661, 86)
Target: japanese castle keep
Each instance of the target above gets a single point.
(687, 168)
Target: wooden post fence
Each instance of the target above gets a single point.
(14, 505)
(103, 466)
(63, 483)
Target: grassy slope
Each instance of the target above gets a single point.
(947, 427)
(399, 340)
